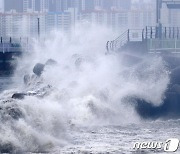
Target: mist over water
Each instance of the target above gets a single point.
(86, 88)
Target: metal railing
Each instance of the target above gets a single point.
(10, 49)
(14, 40)
(123, 39)
(140, 35)
(14, 44)
(157, 45)
(118, 42)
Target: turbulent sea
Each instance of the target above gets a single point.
(113, 139)
(119, 140)
(82, 104)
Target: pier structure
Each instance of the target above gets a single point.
(147, 40)
(10, 50)
(152, 39)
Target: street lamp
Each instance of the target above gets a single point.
(38, 27)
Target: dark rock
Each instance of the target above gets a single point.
(38, 69)
(6, 148)
(175, 76)
(169, 109)
(15, 113)
(18, 95)
(51, 62)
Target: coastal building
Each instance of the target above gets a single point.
(1, 6)
(14, 24)
(19, 24)
(120, 21)
(16, 5)
(170, 17)
(25, 5)
(62, 15)
(58, 21)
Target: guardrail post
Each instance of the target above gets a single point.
(1, 40)
(107, 46)
(143, 35)
(115, 44)
(165, 33)
(128, 37)
(156, 32)
(151, 32)
(10, 40)
(112, 45)
(169, 32)
(177, 32)
(173, 32)
(146, 32)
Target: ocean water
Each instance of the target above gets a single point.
(4, 83)
(81, 104)
(121, 139)
(104, 139)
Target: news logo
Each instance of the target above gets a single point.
(171, 145)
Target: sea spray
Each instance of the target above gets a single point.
(86, 88)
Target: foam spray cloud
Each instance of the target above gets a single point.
(85, 88)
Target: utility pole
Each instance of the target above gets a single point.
(38, 28)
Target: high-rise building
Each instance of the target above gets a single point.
(44, 5)
(13, 5)
(89, 5)
(98, 4)
(107, 4)
(75, 4)
(25, 5)
(116, 4)
(112, 4)
(122, 4)
(58, 5)
(58, 21)
(1, 6)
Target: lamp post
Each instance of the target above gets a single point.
(38, 27)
